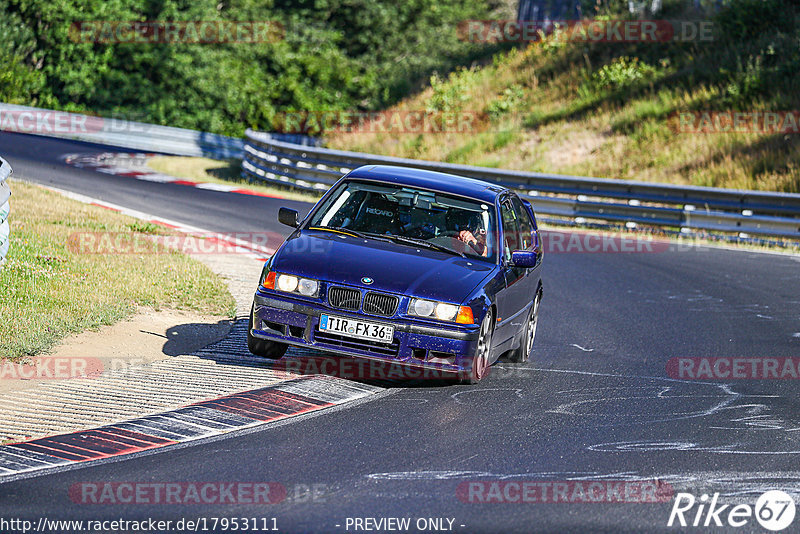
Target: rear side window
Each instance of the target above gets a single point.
(526, 226)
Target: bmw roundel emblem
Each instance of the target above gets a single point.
(367, 280)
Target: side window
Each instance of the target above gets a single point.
(511, 238)
(525, 224)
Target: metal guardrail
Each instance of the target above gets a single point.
(685, 208)
(5, 209)
(118, 132)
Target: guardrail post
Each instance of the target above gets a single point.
(5, 209)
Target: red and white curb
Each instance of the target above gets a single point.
(202, 420)
(240, 246)
(133, 166)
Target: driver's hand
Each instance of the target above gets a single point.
(467, 237)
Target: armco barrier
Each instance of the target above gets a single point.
(5, 208)
(118, 132)
(270, 158)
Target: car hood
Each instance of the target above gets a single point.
(394, 268)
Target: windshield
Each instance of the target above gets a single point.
(462, 226)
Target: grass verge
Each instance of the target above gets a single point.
(51, 290)
(226, 172)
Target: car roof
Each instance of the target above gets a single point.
(436, 181)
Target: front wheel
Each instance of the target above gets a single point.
(521, 354)
(263, 347)
(480, 362)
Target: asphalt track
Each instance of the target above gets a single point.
(595, 403)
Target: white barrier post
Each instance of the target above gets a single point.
(5, 209)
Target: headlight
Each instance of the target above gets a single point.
(441, 310)
(308, 287)
(423, 308)
(291, 284)
(287, 282)
(446, 312)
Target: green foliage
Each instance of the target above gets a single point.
(18, 78)
(144, 227)
(503, 138)
(749, 19)
(452, 93)
(463, 153)
(511, 100)
(746, 82)
(335, 54)
(622, 73)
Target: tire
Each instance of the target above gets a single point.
(262, 347)
(480, 361)
(523, 352)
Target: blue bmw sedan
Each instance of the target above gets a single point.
(429, 270)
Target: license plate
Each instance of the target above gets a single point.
(382, 333)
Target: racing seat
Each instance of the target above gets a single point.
(377, 215)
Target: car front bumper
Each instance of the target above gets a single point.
(432, 348)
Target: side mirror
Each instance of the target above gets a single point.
(288, 217)
(524, 258)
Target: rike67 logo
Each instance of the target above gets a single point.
(774, 510)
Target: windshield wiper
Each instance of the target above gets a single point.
(339, 229)
(426, 244)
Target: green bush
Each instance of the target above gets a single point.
(450, 94)
(621, 74)
(511, 99)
